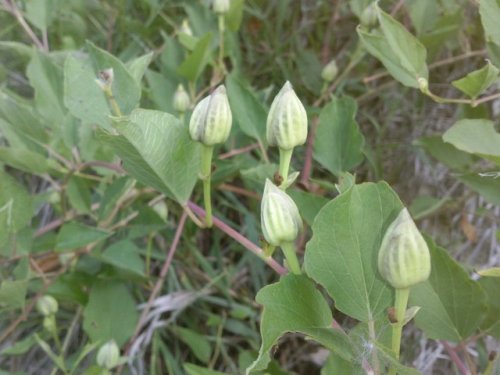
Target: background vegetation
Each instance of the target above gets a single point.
(122, 257)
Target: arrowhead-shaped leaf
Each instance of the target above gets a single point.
(294, 304)
(338, 140)
(342, 253)
(452, 304)
(476, 136)
(156, 150)
(478, 81)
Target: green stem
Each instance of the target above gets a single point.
(206, 173)
(148, 253)
(285, 158)
(397, 328)
(221, 43)
(291, 257)
(112, 101)
(373, 339)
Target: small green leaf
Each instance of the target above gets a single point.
(339, 142)
(423, 14)
(192, 369)
(401, 53)
(452, 305)
(75, 235)
(235, 15)
(476, 136)
(310, 70)
(199, 344)
(446, 153)
(21, 117)
(248, 112)
(24, 160)
(110, 313)
(41, 12)
(124, 255)
(156, 149)
(79, 194)
(490, 14)
(487, 186)
(491, 322)
(491, 272)
(20, 346)
(126, 90)
(193, 65)
(310, 315)
(47, 79)
(83, 97)
(16, 208)
(478, 81)
(137, 67)
(12, 294)
(309, 204)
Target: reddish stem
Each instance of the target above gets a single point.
(455, 358)
(241, 239)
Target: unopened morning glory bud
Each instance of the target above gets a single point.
(181, 99)
(287, 120)
(185, 28)
(108, 355)
(221, 6)
(368, 17)
(404, 258)
(330, 71)
(47, 305)
(211, 120)
(279, 216)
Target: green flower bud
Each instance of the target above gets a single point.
(368, 17)
(221, 6)
(423, 85)
(287, 120)
(404, 259)
(330, 71)
(181, 99)
(47, 305)
(185, 28)
(108, 355)
(211, 120)
(279, 216)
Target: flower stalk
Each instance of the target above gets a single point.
(205, 175)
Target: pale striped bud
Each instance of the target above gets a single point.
(185, 28)
(211, 119)
(330, 71)
(47, 305)
(221, 6)
(279, 216)
(181, 99)
(287, 120)
(108, 355)
(404, 258)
